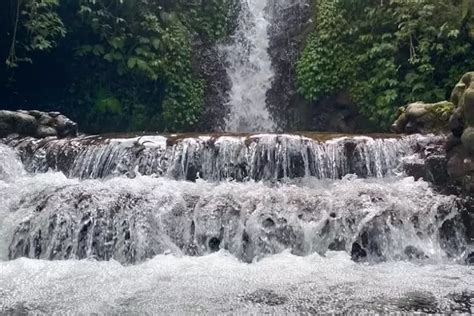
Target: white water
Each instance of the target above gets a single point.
(250, 70)
(278, 282)
(219, 283)
(257, 157)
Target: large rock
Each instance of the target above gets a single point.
(36, 124)
(460, 145)
(16, 123)
(424, 118)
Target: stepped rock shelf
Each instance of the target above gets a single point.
(214, 208)
(219, 157)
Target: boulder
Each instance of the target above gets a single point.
(64, 126)
(36, 124)
(45, 119)
(46, 131)
(455, 164)
(460, 144)
(424, 118)
(468, 105)
(467, 139)
(456, 123)
(16, 122)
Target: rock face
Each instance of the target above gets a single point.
(460, 146)
(210, 64)
(36, 124)
(289, 28)
(424, 118)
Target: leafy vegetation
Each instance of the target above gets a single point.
(129, 62)
(387, 53)
(123, 65)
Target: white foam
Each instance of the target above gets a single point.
(147, 141)
(220, 284)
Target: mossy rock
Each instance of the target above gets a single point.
(424, 118)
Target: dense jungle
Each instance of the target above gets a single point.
(154, 65)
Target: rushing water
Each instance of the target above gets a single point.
(250, 70)
(227, 246)
(241, 158)
(219, 283)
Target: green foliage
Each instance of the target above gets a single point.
(41, 26)
(214, 18)
(133, 59)
(324, 66)
(388, 53)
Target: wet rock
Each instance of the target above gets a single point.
(214, 244)
(455, 165)
(437, 169)
(16, 123)
(418, 302)
(456, 123)
(452, 237)
(45, 119)
(470, 259)
(415, 169)
(46, 131)
(467, 139)
(414, 253)
(36, 124)
(459, 147)
(36, 114)
(462, 302)
(266, 297)
(468, 106)
(211, 66)
(358, 253)
(452, 142)
(64, 126)
(288, 30)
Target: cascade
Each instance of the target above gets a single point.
(250, 70)
(251, 195)
(217, 158)
(235, 223)
(292, 202)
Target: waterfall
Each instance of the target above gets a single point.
(242, 158)
(235, 223)
(297, 208)
(250, 70)
(130, 220)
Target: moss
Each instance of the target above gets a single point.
(442, 110)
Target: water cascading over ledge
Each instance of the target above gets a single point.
(217, 158)
(135, 217)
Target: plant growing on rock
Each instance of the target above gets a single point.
(386, 53)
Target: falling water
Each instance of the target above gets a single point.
(250, 70)
(241, 158)
(188, 241)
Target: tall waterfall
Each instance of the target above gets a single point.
(250, 70)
